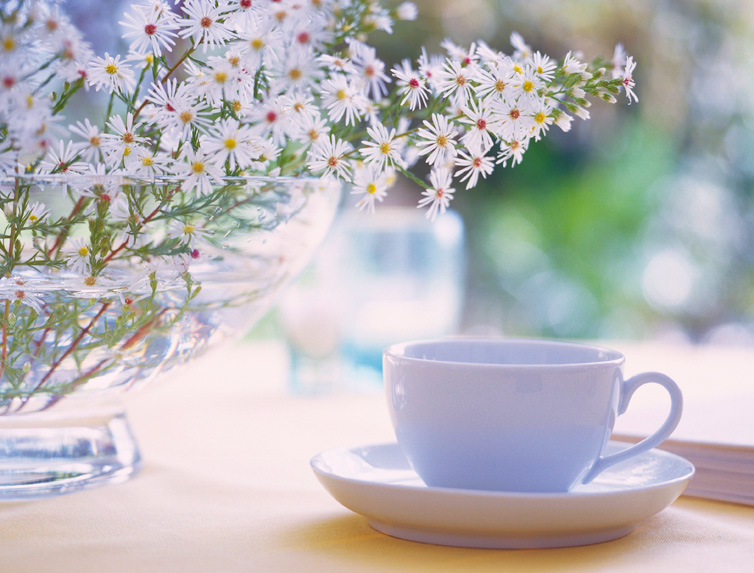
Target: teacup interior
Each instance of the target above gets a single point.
(505, 351)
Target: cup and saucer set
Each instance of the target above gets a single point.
(505, 444)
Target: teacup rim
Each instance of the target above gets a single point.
(397, 351)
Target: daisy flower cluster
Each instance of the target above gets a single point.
(211, 89)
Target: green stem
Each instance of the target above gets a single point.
(5, 338)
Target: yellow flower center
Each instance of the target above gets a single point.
(33, 218)
(236, 106)
(340, 94)
(371, 188)
(197, 167)
(94, 141)
(9, 44)
(111, 69)
(518, 69)
(188, 228)
(147, 161)
(499, 86)
(528, 86)
(83, 251)
(385, 148)
(257, 44)
(221, 77)
(230, 144)
(295, 74)
(186, 116)
(540, 117)
(442, 141)
(234, 61)
(90, 281)
(126, 152)
(313, 134)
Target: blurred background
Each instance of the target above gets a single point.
(640, 222)
(636, 225)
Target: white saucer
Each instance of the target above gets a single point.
(377, 482)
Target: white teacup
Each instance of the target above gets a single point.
(512, 415)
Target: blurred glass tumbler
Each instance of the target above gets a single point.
(512, 415)
(381, 277)
(404, 280)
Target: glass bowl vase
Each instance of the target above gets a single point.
(108, 281)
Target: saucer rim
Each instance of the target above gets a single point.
(504, 494)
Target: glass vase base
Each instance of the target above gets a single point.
(47, 456)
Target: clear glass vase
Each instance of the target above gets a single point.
(108, 281)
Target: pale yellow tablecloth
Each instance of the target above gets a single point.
(227, 486)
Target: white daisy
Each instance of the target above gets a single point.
(467, 57)
(341, 98)
(525, 86)
(110, 73)
(543, 66)
(618, 62)
(455, 81)
(151, 30)
(480, 119)
(312, 130)
(437, 140)
(38, 212)
(63, 160)
(572, 65)
(258, 42)
(91, 148)
(412, 86)
(370, 74)
(79, 256)
(147, 163)
(298, 72)
(406, 11)
(15, 289)
(202, 24)
(512, 119)
(124, 138)
(199, 170)
(628, 80)
(371, 185)
(232, 142)
(541, 120)
(328, 157)
(187, 232)
(339, 63)
(495, 81)
(513, 150)
(430, 67)
(383, 150)
(437, 197)
(272, 119)
(522, 50)
(473, 164)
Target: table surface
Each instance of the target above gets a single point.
(226, 486)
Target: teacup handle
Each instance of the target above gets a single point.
(628, 387)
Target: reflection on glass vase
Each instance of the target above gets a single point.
(108, 282)
(379, 279)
